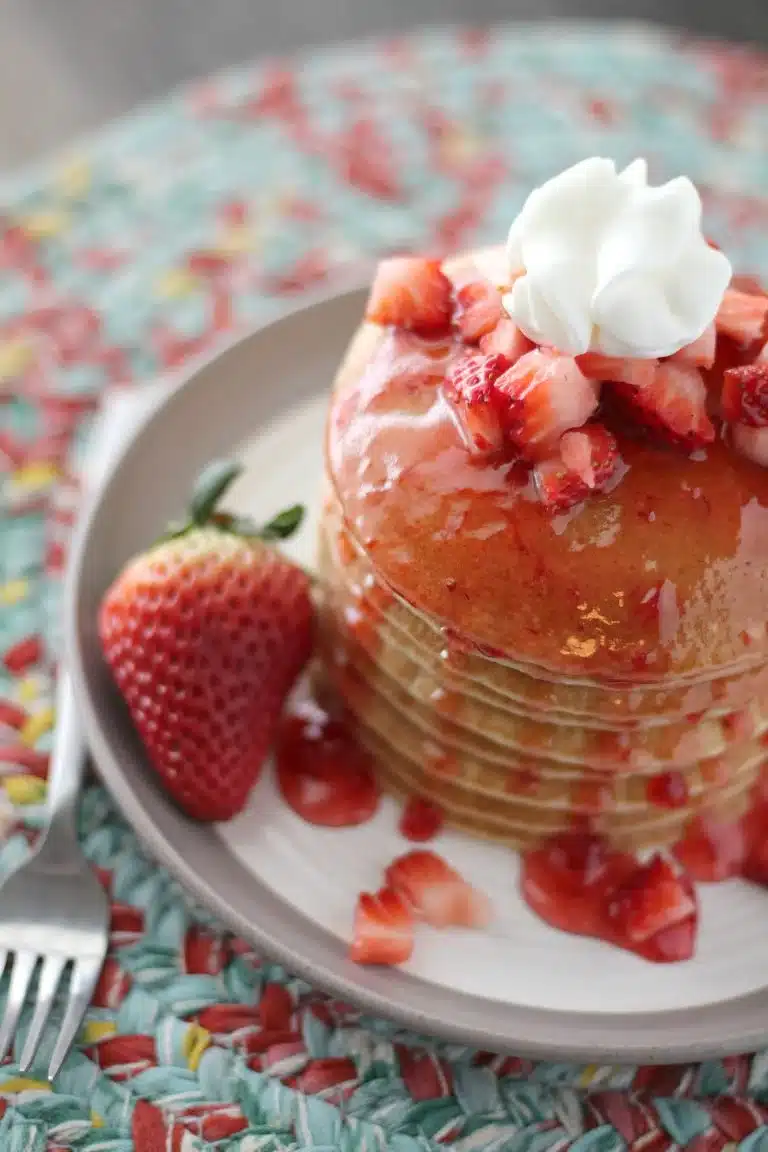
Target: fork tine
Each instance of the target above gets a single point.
(85, 974)
(50, 974)
(21, 975)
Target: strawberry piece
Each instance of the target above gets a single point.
(656, 897)
(743, 317)
(413, 293)
(712, 849)
(673, 405)
(437, 892)
(478, 310)
(751, 443)
(205, 635)
(324, 775)
(470, 387)
(701, 352)
(616, 369)
(587, 460)
(421, 819)
(545, 394)
(507, 339)
(567, 881)
(745, 395)
(383, 929)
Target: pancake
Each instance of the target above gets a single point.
(524, 669)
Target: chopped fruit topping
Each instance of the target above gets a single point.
(673, 405)
(546, 394)
(506, 338)
(478, 310)
(751, 443)
(578, 883)
(656, 897)
(636, 373)
(421, 819)
(745, 395)
(413, 293)
(743, 317)
(566, 881)
(470, 386)
(701, 353)
(437, 892)
(322, 771)
(587, 461)
(712, 849)
(383, 931)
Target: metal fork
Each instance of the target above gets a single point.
(53, 911)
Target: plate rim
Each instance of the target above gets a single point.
(281, 931)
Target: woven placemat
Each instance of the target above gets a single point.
(129, 256)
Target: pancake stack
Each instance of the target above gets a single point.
(530, 674)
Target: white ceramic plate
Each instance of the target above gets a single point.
(519, 986)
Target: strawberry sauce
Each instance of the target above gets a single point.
(421, 820)
(578, 883)
(323, 773)
(468, 542)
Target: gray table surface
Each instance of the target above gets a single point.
(68, 66)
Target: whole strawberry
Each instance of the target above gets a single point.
(205, 634)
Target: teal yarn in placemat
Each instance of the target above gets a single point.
(126, 258)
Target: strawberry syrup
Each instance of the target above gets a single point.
(323, 773)
(575, 881)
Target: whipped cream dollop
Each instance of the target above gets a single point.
(604, 262)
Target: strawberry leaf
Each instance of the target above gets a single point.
(211, 485)
(284, 524)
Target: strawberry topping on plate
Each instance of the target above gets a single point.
(586, 461)
(383, 929)
(744, 397)
(545, 394)
(507, 339)
(413, 293)
(636, 373)
(743, 318)
(673, 406)
(471, 388)
(478, 310)
(323, 773)
(436, 891)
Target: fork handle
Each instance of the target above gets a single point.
(67, 765)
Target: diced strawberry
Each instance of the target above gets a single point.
(751, 443)
(413, 293)
(478, 309)
(743, 317)
(657, 897)
(471, 388)
(636, 373)
(700, 353)
(508, 339)
(674, 405)
(586, 461)
(546, 394)
(437, 892)
(570, 878)
(745, 395)
(383, 929)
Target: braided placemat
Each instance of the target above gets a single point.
(126, 258)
